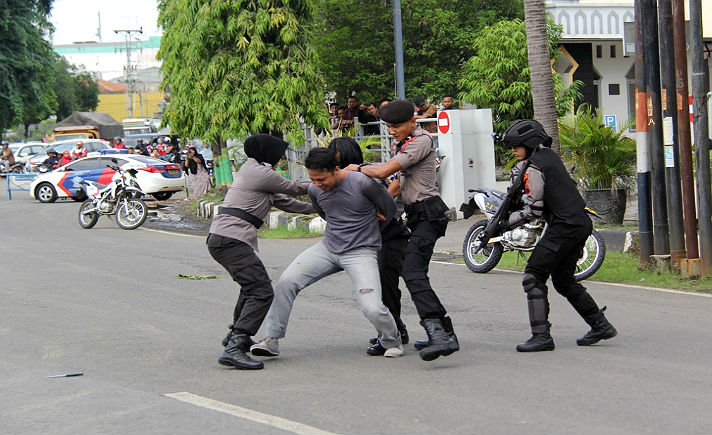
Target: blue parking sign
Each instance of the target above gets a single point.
(610, 121)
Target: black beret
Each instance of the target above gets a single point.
(397, 111)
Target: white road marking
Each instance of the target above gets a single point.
(172, 233)
(248, 414)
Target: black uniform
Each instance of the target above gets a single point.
(559, 249)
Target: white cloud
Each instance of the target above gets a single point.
(77, 20)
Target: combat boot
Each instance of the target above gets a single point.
(601, 329)
(447, 326)
(439, 341)
(226, 340)
(538, 343)
(235, 353)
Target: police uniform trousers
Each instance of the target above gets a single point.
(246, 269)
(556, 255)
(423, 235)
(390, 264)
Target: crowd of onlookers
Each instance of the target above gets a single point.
(366, 114)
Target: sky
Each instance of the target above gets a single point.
(77, 20)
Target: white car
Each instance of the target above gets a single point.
(156, 177)
(24, 151)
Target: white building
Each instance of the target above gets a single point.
(598, 48)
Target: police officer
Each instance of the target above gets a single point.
(549, 191)
(425, 211)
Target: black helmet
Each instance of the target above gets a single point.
(4, 143)
(527, 133)
(51, 151)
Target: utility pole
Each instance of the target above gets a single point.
(652, 77)
(683, 128)
(670, 136)
(645, 214)
(700, 87)
(130, 84)
(398, 44)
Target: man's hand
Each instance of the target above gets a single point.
(380, 216)
(351, 167)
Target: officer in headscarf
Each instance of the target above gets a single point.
(232, 241)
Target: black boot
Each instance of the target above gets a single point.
(601, 329)
(235, 353)
(440, 341)
(226, 340)
(538, 343)
(447, 326)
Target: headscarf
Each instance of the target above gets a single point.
(265, 148)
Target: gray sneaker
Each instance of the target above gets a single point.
(267, 347)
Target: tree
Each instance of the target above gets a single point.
(238, 67)
(498, 77)
(540, 67)
(86, 90)
(24, 57)
(354, 42)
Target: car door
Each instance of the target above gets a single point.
(81, 170)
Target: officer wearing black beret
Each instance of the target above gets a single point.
(415, 165)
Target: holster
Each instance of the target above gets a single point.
(429, 209)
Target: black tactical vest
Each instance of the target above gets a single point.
(562, 199)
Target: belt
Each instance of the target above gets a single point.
(242, 214)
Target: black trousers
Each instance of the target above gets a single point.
(246, 269)
(556, 255)
(423, 235)
(390, 264)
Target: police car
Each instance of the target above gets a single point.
(156, 177)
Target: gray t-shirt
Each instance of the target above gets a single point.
(417, 178)
(256, 189)
(350, 212)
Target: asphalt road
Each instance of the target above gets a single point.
(107, 302)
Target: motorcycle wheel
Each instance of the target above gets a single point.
(594, 252)
(131, 214)
(487, 258)
(87, 220)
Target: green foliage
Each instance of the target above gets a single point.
(498, 77)
(354, 41)
(25, 58)
(238, 67)
(604, 158)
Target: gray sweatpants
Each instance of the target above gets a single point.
(316, 263)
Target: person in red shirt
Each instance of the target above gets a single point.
(66, 158)
(119, 143)
(79, 151)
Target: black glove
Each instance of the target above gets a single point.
(502, 226)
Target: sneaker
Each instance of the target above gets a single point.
(394, 352)
(267, 347)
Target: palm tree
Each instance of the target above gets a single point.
(540, 68)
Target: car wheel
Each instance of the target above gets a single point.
(162, 196)
(45, 193)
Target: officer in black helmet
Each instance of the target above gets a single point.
(415, 166)
(549, 192)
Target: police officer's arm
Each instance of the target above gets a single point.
(291, 205)
(378, 170)
(380, 198)
(533, 198)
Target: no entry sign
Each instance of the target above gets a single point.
(443, 122)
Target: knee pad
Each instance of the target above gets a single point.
(533, 287)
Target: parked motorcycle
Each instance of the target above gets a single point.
(523, 238)
(121, 197)
(13, 168)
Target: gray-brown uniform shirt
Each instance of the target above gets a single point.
(417, 178)
(256, 189)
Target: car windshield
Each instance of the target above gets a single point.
(149, 160)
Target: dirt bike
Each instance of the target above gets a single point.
(523, 238)
(121, 197)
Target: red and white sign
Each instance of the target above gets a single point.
(443, 122)
(692, 115)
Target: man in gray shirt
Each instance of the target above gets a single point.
(349, 202)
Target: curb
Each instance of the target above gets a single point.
(274, 218)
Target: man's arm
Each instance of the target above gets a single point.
(533, 198)
(315, 204)
(380, 198)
